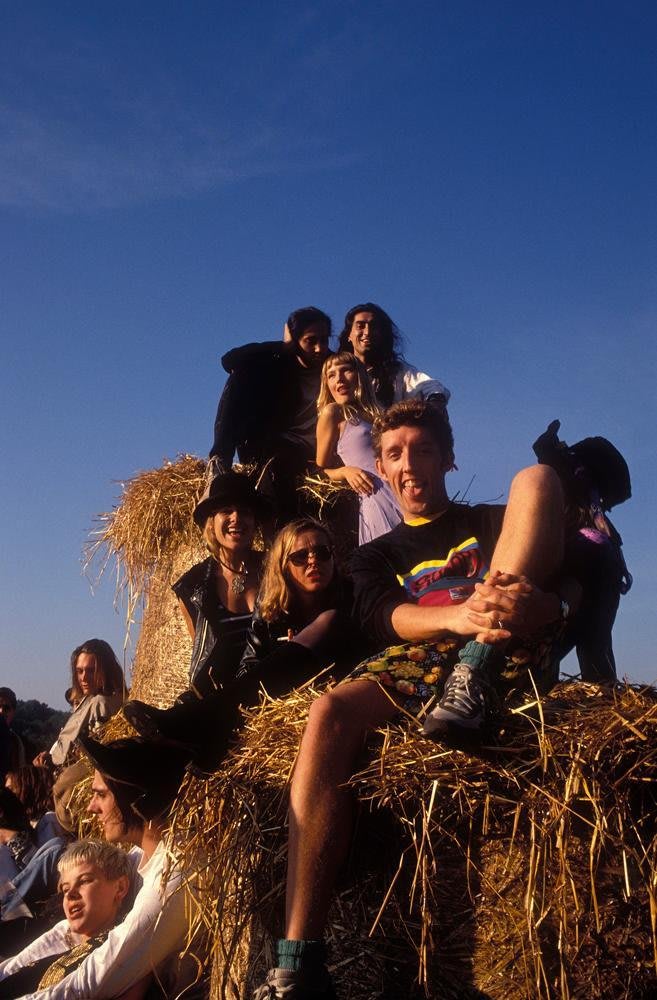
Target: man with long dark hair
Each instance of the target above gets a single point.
(370, 334)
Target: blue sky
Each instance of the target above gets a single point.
(175, 178)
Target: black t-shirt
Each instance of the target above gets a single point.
(432, 563)
(302, 420)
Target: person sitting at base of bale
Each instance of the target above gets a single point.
(95, 879)
(267, 409)
(97, 692)
(217, 596)
(301, 624)
(34, 787)
(373, 338)
(133, 788)
(347, 406)
(457, 589)
(16, 836)
(29, 873)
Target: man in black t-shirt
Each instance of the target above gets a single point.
(467, 577)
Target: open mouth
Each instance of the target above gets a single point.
(414, 489)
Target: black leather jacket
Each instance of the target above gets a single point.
(263, 638)
(219, 635)
(343, 645)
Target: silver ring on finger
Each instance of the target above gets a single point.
(500, 623)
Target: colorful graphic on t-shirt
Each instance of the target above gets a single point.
(447, 581)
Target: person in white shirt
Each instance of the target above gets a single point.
(96, 693)
(95, 879)
(134, 786)
(370, 335)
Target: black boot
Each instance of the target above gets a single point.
(202, 727)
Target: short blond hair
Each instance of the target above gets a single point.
(111, 860)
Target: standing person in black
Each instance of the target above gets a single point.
(267, 411)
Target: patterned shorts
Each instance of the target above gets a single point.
(416, 672)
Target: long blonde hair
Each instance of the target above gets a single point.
(276, 597)
(365, 403)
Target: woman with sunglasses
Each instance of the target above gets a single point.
(301, 598)
(347, 407)
(301, 624)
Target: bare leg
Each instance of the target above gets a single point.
(320, 808)
(531, 542)
(530, 547)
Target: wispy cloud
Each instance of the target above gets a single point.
(83, 129)
(51, 164)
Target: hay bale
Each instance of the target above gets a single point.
(160, 671)
(151, 538)
(524, 872)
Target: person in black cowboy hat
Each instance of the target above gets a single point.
(217, 596)
(134, 786)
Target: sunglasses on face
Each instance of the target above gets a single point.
(322, 553)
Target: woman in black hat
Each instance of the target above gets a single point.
(217, 595)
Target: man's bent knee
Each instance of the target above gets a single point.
(537, 479)
(349, 710)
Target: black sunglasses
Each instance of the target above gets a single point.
(322, 553)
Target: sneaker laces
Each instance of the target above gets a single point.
(275, 987)
(463, 692)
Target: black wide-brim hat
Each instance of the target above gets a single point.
(228, 489)
(153, 770)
